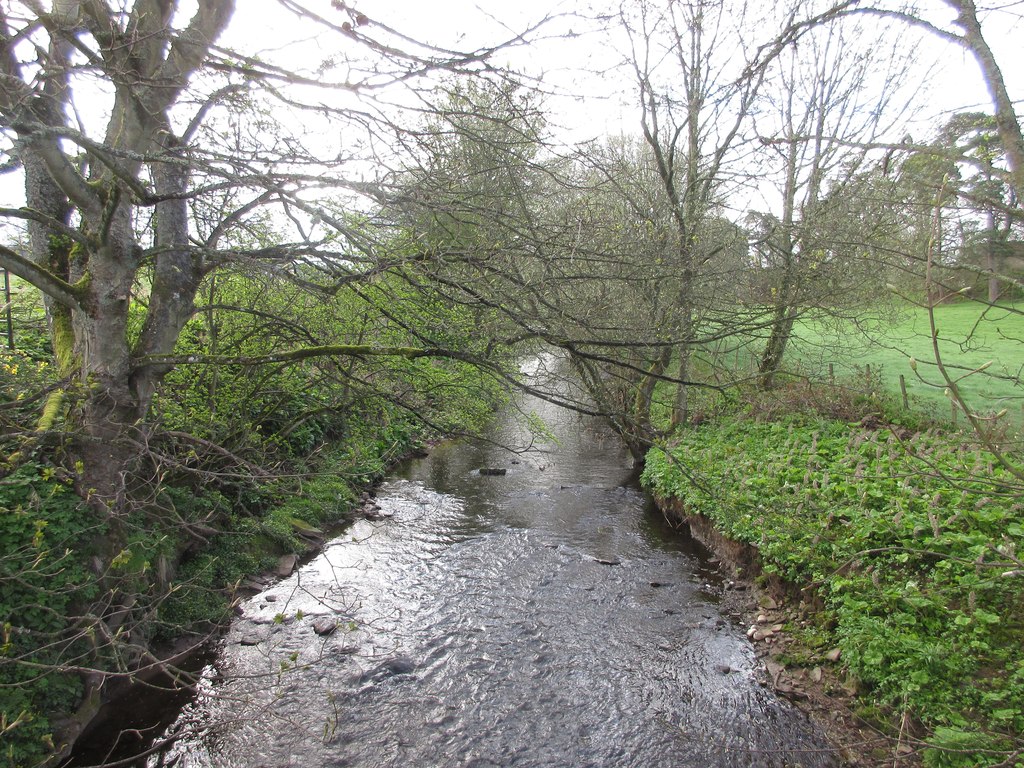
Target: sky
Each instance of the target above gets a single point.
(576, 65)
(557, 58)
(568, 65)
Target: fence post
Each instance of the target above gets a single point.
(903, 389)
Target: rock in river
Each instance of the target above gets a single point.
(400, 665)
(324, 627)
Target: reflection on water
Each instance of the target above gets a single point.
(546, 617)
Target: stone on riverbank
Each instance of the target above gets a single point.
(324, 627)
(286, 565)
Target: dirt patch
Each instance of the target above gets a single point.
(777, 615)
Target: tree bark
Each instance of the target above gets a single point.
(1007, 122)
(991, 262)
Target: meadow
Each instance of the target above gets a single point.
(873, 351)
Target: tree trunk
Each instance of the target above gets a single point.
(681, 407)
(1007, 121)
(783, 317)
(176, 274)
(991, 262)
(775, 350)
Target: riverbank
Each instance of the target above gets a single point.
(770, 607)
(903, 612)
(541, 615)
(195, 549)
(337, 490)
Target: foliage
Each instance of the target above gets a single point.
(152, 232)
(337, 425)
(23, 381)
(911, 550)
(44, 583)
(249, 539)
(245, 463)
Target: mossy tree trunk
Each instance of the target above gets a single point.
(87, 255)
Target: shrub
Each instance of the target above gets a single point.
(902, 532)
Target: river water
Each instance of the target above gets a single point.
(546, 617)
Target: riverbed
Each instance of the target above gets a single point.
(546, 616)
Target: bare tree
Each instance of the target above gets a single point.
(699, 69)
(156, 163)
(830, 112)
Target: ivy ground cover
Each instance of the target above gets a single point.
(912, 541)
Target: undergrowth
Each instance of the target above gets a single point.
(911, 538)
(185, 581)
(286, 515)
(44, 579)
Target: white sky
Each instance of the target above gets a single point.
(587, 104)
(956, 84)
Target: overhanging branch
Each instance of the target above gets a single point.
(59, 290)
(305, 353)
(48, 221)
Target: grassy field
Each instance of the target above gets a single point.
(874, 351)
(907, 535)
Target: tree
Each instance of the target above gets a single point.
(622, 258)
(966, 30)
(85, 255)
(130, 207)
(622, 282)
(626, 281)
(547, 251)
(700, 68)
(828, 117)
(971, 141)
(160, 168)
(972, 38)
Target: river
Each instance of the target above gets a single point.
(544, 617)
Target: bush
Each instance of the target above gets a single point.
(45, 535)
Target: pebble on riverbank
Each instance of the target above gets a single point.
(324, 627)
(286, 565)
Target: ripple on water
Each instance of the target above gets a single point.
(541, 618)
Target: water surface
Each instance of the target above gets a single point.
(546, 617)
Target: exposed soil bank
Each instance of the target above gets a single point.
(814, 680)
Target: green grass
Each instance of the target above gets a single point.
(970, 335)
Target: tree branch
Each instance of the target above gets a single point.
(306, 353)
(60, 291)
(29, 214)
